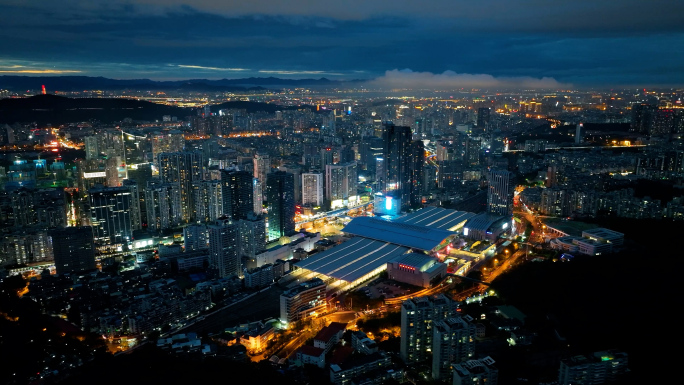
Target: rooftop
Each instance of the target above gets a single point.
(602, 233)
(420, 261)
(329, 331)
(402, 234)
(352, 259)
(436, 218)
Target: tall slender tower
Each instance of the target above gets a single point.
(281, 205)
(500, 192)
(397, 162)
(224, 247)
(238, 192)
(182, 168)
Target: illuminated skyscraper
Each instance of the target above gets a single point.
(224, 247)
(238, 192)
(182, 168)
(397, 163)
(312, 189)
(163, 203)
(208, 199)
(281, 205)
(262, 166)
(500, 192)
(110, 211)
(341, 181)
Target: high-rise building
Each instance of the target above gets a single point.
(579, 133)
(471, 155)
(476, 372)
(417, 317)
(262, 166)
(417, 163)
(598, 368)
(141, 175)
(238, 192)
(208, 199)
(303, 301)
(258, 196)
(73, 248)
(341, 182)
(133, 187)
(163, 203)
(483, 116)
(171, 141)
(92, 147)
(281, 205)
(500, 192)
(295, 170)
(252, 232)
(453, 341)
(312, 189)
(195, 237)
(110, 215)
(397, 163)
(224, 247)
(182, 168)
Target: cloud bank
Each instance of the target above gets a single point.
(450, 80)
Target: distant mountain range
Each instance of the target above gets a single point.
(80, 83)
(53, 109)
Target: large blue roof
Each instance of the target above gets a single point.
(436, 218)
(402, 234)
(352, 259)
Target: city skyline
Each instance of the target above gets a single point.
(437, 44)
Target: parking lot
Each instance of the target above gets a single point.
(387, 289)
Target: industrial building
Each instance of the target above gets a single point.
(416, 269)
(416, 237)
(437, 218)
(351, 263)
(486, 227)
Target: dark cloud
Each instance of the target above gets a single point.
(577, 42)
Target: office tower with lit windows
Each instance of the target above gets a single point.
(483, 116)
(208, 199)
(110, 215)
(281, 205)
(141, 175)
(397, 163)
(238, 192)
(417, 179)
(224, 247)
(182, 168)
(258, 196)
(500, 192)
(252, 233)
(73, 248)
(262, 166)
(163, 202)
(417, 317)
(312, 189)
(341, 182)
(295, 170)
(134, 188)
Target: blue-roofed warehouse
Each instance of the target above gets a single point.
(437, 218)
(403, 234)
(351, 263)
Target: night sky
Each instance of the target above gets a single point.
(431, 43)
